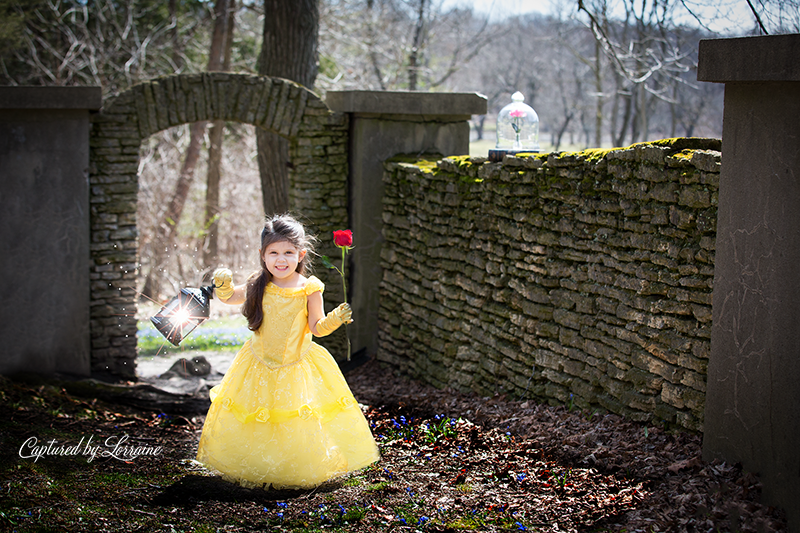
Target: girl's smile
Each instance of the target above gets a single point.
(281, 259)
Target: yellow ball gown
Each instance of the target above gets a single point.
(283, 415)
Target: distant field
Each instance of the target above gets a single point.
(482, 147)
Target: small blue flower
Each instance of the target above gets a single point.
(282, 504)
(520, 527)
(422, 520)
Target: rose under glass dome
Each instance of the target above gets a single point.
(517, 129)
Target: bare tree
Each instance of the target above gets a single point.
(645, 47)
(164, 237)
(213, 176)
(288, 50)
(111, 43)
(398, 44)
(780, 16)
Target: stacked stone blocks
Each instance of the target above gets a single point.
(582, 279)
(318, 144)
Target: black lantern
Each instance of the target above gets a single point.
(183, 313)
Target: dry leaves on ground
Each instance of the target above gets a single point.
(675, 489)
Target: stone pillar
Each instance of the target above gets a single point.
(753, 390)
(384, 124)
(44, 228)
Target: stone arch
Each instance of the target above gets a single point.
(318, 174)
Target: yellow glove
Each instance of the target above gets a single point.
(223, 283)
(341, 315)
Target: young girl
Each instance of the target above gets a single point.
(283, 415)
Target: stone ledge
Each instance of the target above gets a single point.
(407, 103)
(747, 59)
(51, 98)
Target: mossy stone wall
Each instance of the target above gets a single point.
(576, 278)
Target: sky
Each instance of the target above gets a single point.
(503, 7)
(721, 15)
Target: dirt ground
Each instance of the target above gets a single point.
(449, 462)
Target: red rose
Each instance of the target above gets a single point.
(343, 238)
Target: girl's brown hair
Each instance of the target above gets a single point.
(278, 228)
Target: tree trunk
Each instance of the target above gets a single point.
(635, 119)
(371, 42)
(214, 175)
(416, 46)
(165, 232)
(479, 127)
(559, 133)
(598, 87)
(288, 50)
(177, 50)
(619, 139)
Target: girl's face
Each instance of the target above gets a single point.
(282, 259)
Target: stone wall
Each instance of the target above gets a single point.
(44, 228)
(382, 125)
(318, 153)
(754, 372)
(578, 278)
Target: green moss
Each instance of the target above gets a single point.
(684, 154)
(375, 487)
(683, 143)
(463, 161)
(594, 155)
(427, 166)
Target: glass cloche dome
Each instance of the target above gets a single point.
(517, 129)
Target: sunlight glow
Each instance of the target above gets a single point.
(181, 317)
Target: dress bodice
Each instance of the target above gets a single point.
(284, 335)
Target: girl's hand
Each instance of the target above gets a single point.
(345, 312)
(223, 283)
(341, 315)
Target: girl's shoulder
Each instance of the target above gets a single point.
(312, 285)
